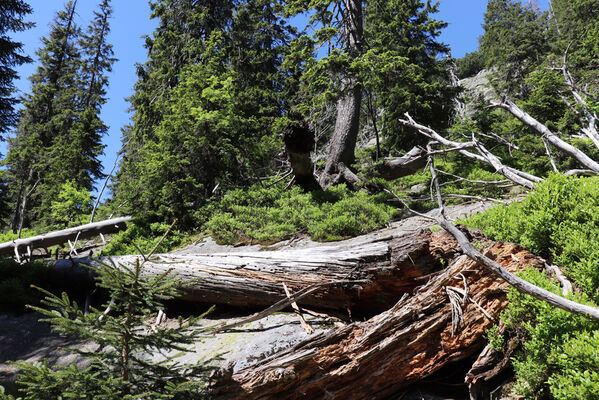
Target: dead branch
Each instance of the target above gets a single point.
(518, 283)
(519, 177)
(63, 236)
(540, 128)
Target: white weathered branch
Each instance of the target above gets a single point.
(63, 236)
(552, 138)
(514, 175)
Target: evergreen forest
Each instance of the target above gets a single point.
(251, 128)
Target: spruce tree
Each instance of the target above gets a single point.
(383, 51)
(130, 358)
(58, 138)
(48, 112)
(575, 25)
(215, 128)
(12, 15)
(514, 42)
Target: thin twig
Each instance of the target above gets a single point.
(278, 306)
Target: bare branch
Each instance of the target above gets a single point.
(518, 283)
(560, 144)
(519, 177)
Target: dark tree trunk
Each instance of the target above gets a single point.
(299, 143)
(343, 143)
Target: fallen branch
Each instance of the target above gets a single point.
(518, 283)
(538, 127)
(64, 236)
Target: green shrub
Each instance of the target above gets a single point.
(559, 220)
(141, 236)
(269, 215)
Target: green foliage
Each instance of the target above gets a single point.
(142, 235)
(72, 205)
(12, 14)
(59, 134)
(269, 215)
(558, 220)
(129, 360)
(578, 378)
(15, 284)
(543, 365)
(397, 63)
(513, 42)
(469, 65)
(208, 122)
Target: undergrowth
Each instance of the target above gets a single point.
(269, 215)
(558, 220)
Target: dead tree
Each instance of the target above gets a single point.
(299, 144)
(375, 270)
(374, 359)
(63, 236)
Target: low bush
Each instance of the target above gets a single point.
(559, 220)
(269, 215)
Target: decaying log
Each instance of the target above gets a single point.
(63, 236)
(383, 267)
(299, 143)
(376, 358)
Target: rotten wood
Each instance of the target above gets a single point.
(376, 358)
(64, 236)
(299, 143)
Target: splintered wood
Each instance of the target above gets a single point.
(411, 340)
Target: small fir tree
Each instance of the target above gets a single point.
(131, 359)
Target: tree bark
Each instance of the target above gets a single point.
(408, 164)
(383, 268)
(347, 124)
(299, 143)
(377, 358)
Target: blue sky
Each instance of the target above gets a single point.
(131, 21)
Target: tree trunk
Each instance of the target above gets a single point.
(376, 358)
(299, 143)
(343, 143)
(383, 267)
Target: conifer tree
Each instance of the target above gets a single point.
(12, 15)
(215, 126)
(49, 111)
(514, 42)
(58, 138)
(575, 26)
(385, 51)
(130, 358)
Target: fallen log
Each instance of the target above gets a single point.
(382, 265)
(63, 236)
(374, 359)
